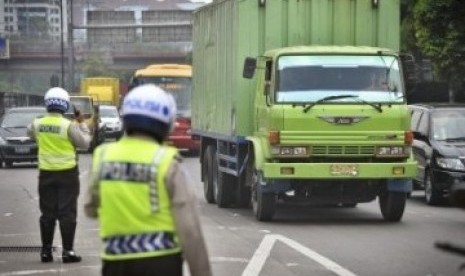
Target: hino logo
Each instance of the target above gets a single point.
(342, 120)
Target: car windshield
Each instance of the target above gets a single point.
(20, 118)
(448, 125)
(109, 113)
(307, 79)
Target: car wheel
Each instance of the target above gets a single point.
(8, 164)
(209, 175)
(432, 195)
(392, 205)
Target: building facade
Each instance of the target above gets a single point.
(35, 19)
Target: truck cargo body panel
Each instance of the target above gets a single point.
(226, 32)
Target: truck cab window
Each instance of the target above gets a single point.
(310, 78)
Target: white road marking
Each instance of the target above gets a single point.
(263, 252)
(54, 271)
(228, 260)
(31, 272)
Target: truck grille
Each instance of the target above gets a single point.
(342, 150)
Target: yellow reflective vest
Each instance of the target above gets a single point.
(135, 209)
(56, 152)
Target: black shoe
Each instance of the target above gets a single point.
(69, 256)
(46, 255)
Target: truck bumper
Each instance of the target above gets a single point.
(340, 171)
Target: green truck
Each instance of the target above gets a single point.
(302, 102)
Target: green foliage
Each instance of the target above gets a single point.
(95, 66)
(407, 29)
(440, 32)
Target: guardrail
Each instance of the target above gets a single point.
(10, 99)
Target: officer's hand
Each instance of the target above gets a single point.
(78, 116)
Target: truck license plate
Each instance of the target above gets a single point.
(344, 169)
(22, 149)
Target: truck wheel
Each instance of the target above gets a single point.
(392, 205)
(432, 195)
(243, 192)
(225, 188)
(263, 204)
(243, 195)
(209, 176)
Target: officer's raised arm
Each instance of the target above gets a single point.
(79, 133)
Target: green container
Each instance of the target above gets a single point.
(225, 32)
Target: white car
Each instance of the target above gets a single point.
(110, 117)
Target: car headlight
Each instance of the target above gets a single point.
(394, 151)
(450, 163)
(2, 141)
(119, 126)
(297, 151)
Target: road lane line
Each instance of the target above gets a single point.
(31, 272)
(264, 249)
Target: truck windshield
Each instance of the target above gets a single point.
(306, 79)
(179, 87)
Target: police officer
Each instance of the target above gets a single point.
(57, 139)
(143, 197)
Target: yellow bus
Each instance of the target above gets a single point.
(177, 80)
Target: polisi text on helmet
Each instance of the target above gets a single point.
(145, 105)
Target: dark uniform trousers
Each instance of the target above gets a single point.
(170, 265)
(58, 194)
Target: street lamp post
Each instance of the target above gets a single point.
(71, 47)
(62, 45)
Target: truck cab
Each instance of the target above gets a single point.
(326, 116)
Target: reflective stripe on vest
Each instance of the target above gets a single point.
(139, 243)
(56, 152)
(135, 210)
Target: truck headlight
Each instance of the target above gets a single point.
(289, 151)
(2, 141)
(394, 151)
(450, 163)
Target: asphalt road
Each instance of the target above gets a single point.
(300, 241)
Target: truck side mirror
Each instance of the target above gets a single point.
(250, 64)
(410, 70)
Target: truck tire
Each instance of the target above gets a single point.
(392, 205)
(209, 177)
(433, 196)
(243, 192)
(243, 195)
(263, 204)
(225, 188)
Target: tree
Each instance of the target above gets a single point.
(94, 66)
(440, 33)
(407, 30)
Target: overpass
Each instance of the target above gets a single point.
(118, 61)
(31, 64)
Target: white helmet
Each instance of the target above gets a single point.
(150, 109)
(57, 99)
